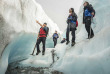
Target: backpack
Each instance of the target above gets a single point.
(76, 17)
(91, 7)
(47, 31)
(77, 23)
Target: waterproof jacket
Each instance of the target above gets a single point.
(55, 36)
(87, 12)
(42, 32)
(72, 18)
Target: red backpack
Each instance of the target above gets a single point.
(77, 23)
(42, 33)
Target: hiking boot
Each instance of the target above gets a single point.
(87, 38)
(67, 42)
(43, 53)
(38, 53)
(92, 36)
(73, 43)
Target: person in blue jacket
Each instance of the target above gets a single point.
(88, 14)
(71, 21)
(55, 37)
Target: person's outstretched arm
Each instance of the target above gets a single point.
(39, 23)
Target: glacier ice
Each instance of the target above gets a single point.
(21, 48)
(90, 56)
(20, 16)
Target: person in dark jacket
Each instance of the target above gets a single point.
(41, 37)
(55, 37)
(88, 14)
(71, 21)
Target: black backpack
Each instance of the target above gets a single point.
(91, 8)
(47, 31)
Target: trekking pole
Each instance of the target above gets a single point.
(34, 49)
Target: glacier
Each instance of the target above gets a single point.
(20, 16)
(17, 17)
(90, 56)
(86, 57)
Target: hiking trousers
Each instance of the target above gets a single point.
(88, 27)
(43, 40)
(72, 28)
(55, 41)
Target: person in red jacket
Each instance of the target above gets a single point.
(41, 37)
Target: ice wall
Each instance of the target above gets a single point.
(19, 16)
(21, 48)
(89, 56)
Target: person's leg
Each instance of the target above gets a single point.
(55, 42)
(38, 42)
(73, 35)
(87, 29)
(88, 26)
(92, 33)
(43, 41)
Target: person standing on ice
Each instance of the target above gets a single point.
(88, 14)
(42, 37)
(71, 21)
(55, 37)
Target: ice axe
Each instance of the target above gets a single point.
(34, 49)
